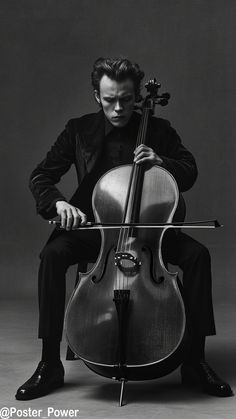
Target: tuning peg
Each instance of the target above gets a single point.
(166, 96)
(152, 81)
(163, 102)
(163, 99)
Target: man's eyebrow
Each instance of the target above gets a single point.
(114, 96)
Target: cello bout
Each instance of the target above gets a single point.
(130, 322)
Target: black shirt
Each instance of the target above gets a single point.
(118, 149)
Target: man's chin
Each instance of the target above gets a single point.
(119, 123)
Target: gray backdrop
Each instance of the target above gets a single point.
(47, 52)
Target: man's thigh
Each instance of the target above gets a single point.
(74, 246)
(180, 249)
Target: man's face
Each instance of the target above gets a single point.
(117, 99)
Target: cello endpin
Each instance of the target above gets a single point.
(123, 380)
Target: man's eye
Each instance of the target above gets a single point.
(127, 99)
(109, 100)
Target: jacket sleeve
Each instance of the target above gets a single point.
(178, 160)
(49, 172)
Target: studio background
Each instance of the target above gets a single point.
(47, 52)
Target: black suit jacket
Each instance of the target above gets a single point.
(81, 144)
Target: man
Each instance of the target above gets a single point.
(95, 143)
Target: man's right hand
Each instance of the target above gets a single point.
(71, 217)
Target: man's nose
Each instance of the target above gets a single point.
(118, 106)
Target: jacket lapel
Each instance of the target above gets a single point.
(92, 139)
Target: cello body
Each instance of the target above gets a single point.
(126, 318)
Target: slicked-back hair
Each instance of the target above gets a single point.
(117, 69)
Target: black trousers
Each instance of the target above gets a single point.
(67, 248)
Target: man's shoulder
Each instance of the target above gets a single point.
(160, 122)
(85, 122)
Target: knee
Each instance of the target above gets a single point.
(201, 252)
(54, 253)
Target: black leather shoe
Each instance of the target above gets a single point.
(202, 374)
(45, 379)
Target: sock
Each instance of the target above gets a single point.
(51, 350)
(197, 349)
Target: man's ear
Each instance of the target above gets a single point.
(97, 96)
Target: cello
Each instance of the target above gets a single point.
(126, 318)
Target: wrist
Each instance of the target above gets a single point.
(58, 203)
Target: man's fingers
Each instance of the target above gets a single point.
(70, 219)
(76, 218)
(143, 160)
(79, 218)
(63, 218)
(151, 159)
(142, 154)
(141, 147)
(83, 218)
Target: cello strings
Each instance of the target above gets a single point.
(120, 246)
(127, 232)
(141, 137)
(131, 197)
(126, 236)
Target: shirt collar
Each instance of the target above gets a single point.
(132, 121)
(108, 126)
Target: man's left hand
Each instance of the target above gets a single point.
(145, 154)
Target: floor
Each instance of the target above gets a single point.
(91, 396)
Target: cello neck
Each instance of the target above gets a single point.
(135, 184)
(134, 193)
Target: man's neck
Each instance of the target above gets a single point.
(108, 126)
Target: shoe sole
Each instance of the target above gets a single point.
(186, 382)
(50, 389)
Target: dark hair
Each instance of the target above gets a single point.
(117, 69)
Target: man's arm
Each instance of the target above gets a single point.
(179, 161)
(172, 155)
(49, 172)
